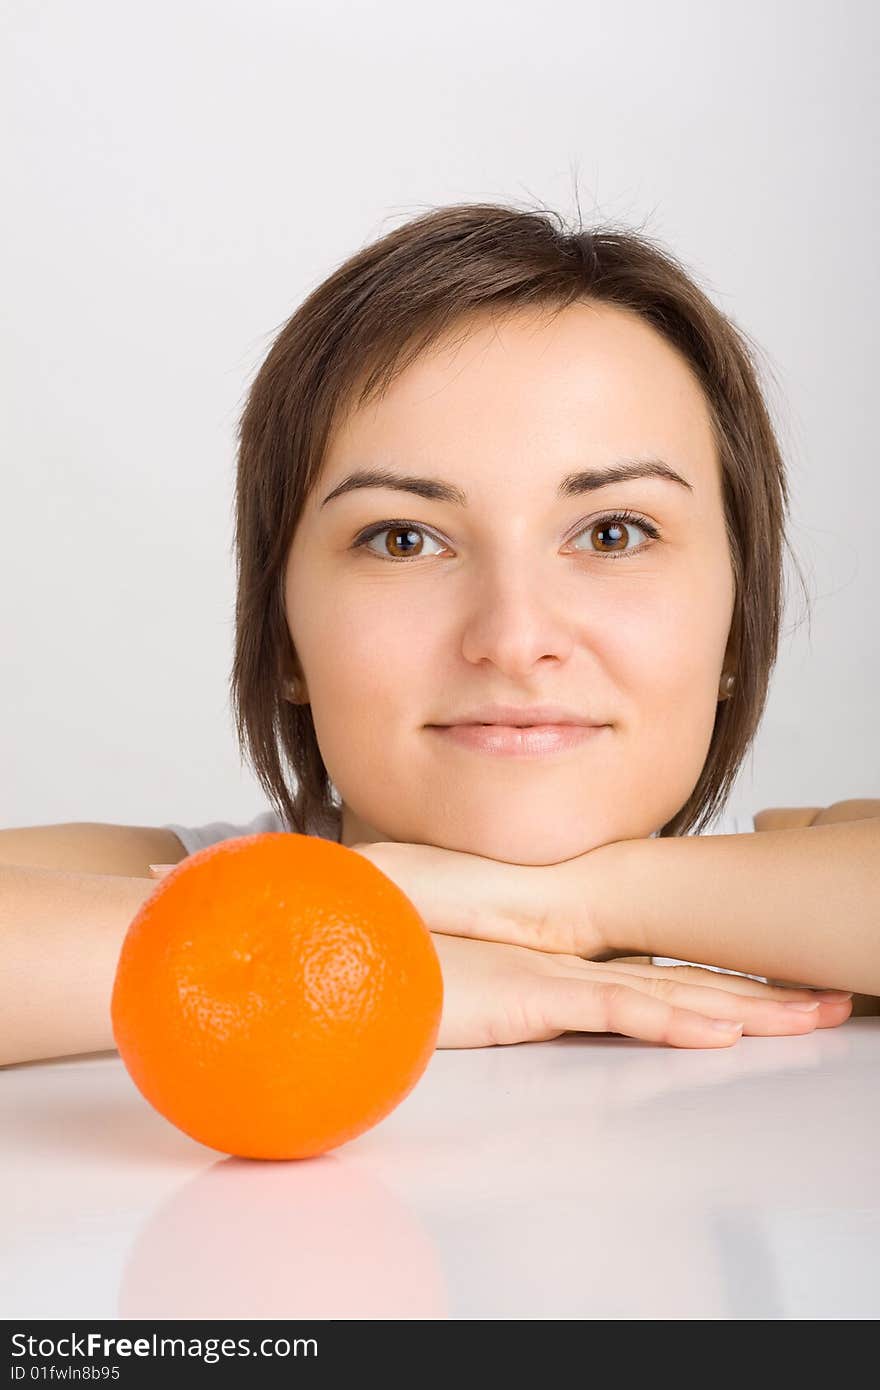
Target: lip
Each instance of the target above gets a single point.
(517, 741)
(513, 715)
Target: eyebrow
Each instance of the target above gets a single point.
(572, 485)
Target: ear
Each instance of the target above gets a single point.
(292, 680)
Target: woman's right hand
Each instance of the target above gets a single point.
(495, 993)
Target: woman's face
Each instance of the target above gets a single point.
(526, 594)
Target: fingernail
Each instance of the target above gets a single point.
(725, 1024)
(834, 996)
(801, 1008)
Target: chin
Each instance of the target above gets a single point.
(530, 849)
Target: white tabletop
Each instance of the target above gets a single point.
(589, 1177)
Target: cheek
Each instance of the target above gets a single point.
(377, 649)
(686, 644)
(668, 642)
(373, 685)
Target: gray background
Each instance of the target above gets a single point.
(179, 175)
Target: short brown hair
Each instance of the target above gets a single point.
(361, 327)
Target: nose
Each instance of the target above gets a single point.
(517, 615)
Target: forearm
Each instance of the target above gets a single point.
(60, 938)
(799, 905)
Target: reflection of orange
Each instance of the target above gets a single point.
(325, 1238)
(276, 996)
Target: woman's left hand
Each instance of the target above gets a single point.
(462, 894)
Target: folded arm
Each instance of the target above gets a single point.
(800, 904)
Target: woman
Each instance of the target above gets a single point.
(493, 473)
(489, 466)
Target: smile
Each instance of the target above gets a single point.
(519, 741)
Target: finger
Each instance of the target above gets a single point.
(761, 1016)
(835, 1005)
(831, 1015)
(160, 870)
(634, 968)
(566, 1004)
(697, 974)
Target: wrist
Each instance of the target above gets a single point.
(607, 903)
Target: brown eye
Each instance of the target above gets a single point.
(399, 541)
(611, 535)
(403, 541)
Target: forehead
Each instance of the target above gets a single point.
(590, 379)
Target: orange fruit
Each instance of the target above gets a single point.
(276, 996)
